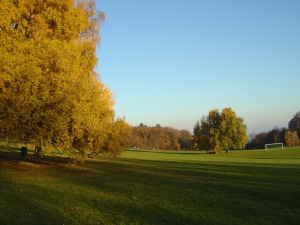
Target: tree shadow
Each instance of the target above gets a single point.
(168, 152)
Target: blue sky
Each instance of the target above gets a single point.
(170, 62)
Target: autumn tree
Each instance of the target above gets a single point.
(145, 133)
(206, 133)
(49, 92)
(155, 137)
(291, 138)
(219, 131)
(174, 138)
(233, 130)
(157, 134)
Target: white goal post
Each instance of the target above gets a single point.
(274, 146)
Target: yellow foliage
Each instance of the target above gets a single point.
(291, 138)
(220, 131)
(49, 91)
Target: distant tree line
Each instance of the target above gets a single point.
(160, 138)
(276, 135)
(217, 131)
(288, 136)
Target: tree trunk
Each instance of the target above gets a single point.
(38, 151)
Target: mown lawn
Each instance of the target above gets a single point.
(152, 187)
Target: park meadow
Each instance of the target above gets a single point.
(152, 187)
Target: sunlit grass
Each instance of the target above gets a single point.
(152, 187)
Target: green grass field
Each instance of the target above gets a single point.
(152, 187)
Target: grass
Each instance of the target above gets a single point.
(152, 187)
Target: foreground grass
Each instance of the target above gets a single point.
(152, 187)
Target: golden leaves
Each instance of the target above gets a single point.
(220, 131)
(48, 89)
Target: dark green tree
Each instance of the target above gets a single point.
(294, 124)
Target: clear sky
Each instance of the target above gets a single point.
(170, 62)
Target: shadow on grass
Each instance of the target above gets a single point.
(168, 152)
(13, 154)
(137, 191)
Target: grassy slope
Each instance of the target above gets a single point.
(152, 187)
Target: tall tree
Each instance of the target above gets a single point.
(206, 132)
(220, 131)
(273, 135)
(49, 91)
(294, 124)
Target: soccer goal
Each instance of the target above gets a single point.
(274, 146)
